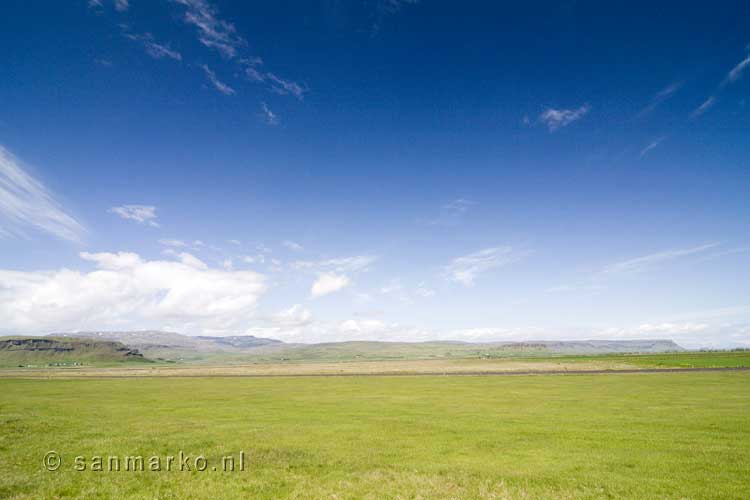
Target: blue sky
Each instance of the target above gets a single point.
(382, 169)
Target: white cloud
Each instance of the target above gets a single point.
(328, 283)
(191, 260)
(393, 286)
(660, 97)
(220, 35)
(213, 32)
(142, 214)
(707, 104)
(292, 245)
(153, 48)
(284, 87)
(423, 291)
(340, 265)
(120, 5)
(651, 145)
(218, 84)
(172, 243)
(640, 264)
(295, 316)
(278, 85)
(559, 118)
(268, 116)
(384, 8)
(26, 202)
(459, 205)
(736, 72)
(466, 269)
(452, 212)
(125, 291)
(254, 259)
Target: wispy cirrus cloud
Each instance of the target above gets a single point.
(254, 72)
(218, 84)
(169, 242)
(732, 76)
(26, 203)
(651, 145)
(705, 106)
(213, 32)
(452, 212)
(268, 115)
(385, 8)
(641, 264)
(142, 214)
(660, 97)
(556, 119)
(466, 269)
(352, 264)
(120, 5)
(736, 72)
(221, 35)
(153, 48)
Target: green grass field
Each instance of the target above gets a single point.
(718, 359)
(680, 435)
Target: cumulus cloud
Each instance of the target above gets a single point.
(328, 283)
(556, 119)
(466, 269)
(125, 291)
(142, 214)
(26, 203)
(294, 316)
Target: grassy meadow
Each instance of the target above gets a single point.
(667, 436)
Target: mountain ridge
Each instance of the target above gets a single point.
(174, 346)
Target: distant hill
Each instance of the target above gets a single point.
(51, 351)
(172, 346)
(366, 350)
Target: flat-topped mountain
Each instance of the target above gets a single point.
(60, 351)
